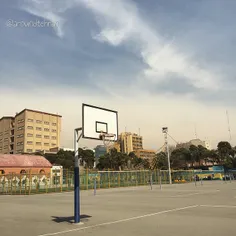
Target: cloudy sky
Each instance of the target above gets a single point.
(157, 62)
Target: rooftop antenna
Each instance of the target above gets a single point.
(230, 137)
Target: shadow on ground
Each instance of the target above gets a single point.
(69, 219)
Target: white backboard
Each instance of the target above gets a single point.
(96, 120)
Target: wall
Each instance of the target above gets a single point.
(17, 170)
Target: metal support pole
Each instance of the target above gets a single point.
(201, 181)
(151, 181)
(195, 180)
(76, 177)
(165, 131)
(160, 181)
(95, 186)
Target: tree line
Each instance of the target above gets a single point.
(180, 158)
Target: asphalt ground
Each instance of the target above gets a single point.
(178, 209)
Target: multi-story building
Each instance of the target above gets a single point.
(195, 142)
(130, 142)
(144, 153)
(7, 135)
(30, 131)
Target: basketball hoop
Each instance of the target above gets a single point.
(107, 138)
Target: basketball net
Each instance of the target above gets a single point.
(108, 139)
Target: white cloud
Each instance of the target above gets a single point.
(48, 11)
(121, 23)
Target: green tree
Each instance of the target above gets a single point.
(64, 158)
(180, 158)
(87, 157)
(160, 161)
(224, 151)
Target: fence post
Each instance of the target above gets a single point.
(30, 182)
(151, 180)
(87, 179)
(119, 179)
(160, 179)
(95, 186)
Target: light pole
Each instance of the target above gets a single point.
(165, 131)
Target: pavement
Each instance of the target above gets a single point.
(178, 209)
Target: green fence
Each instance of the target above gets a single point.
(25, 184)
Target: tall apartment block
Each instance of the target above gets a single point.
(29, 131)
(130, 142)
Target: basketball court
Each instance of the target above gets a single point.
(178, 209)
(173, 210)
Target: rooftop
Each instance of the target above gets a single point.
(27, 161)
(7, 117)
(46, 113)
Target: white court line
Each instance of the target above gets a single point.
(218, 206)
(190, 194)
(119, 221)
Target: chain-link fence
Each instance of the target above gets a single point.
(25, 184)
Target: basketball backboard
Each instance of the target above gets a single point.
(97, 120)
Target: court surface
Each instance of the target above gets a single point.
(179, 210)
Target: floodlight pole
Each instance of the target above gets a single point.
(76, 176)
(165, 131)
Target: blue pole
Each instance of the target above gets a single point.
(76, 179)
(77, 196)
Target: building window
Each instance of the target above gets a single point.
(30, 120)
(46, 122)
(21, 120)
(54, 130)
(30, 127)
(37, 150)
(5, 139)
(6, 147)
(38, 128)
(21, 127)
(38, 136)
(46, 129)
(42, 172)
(46, 144)
(29, 135)
(19, 143)
(2, 172)
(30, 142)
(6, 132)
(38, 121)
(54, 137)
(23, 171)
(54, 124)
(46, 136)
(54, 144)
(29, 150)
(38, 143)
